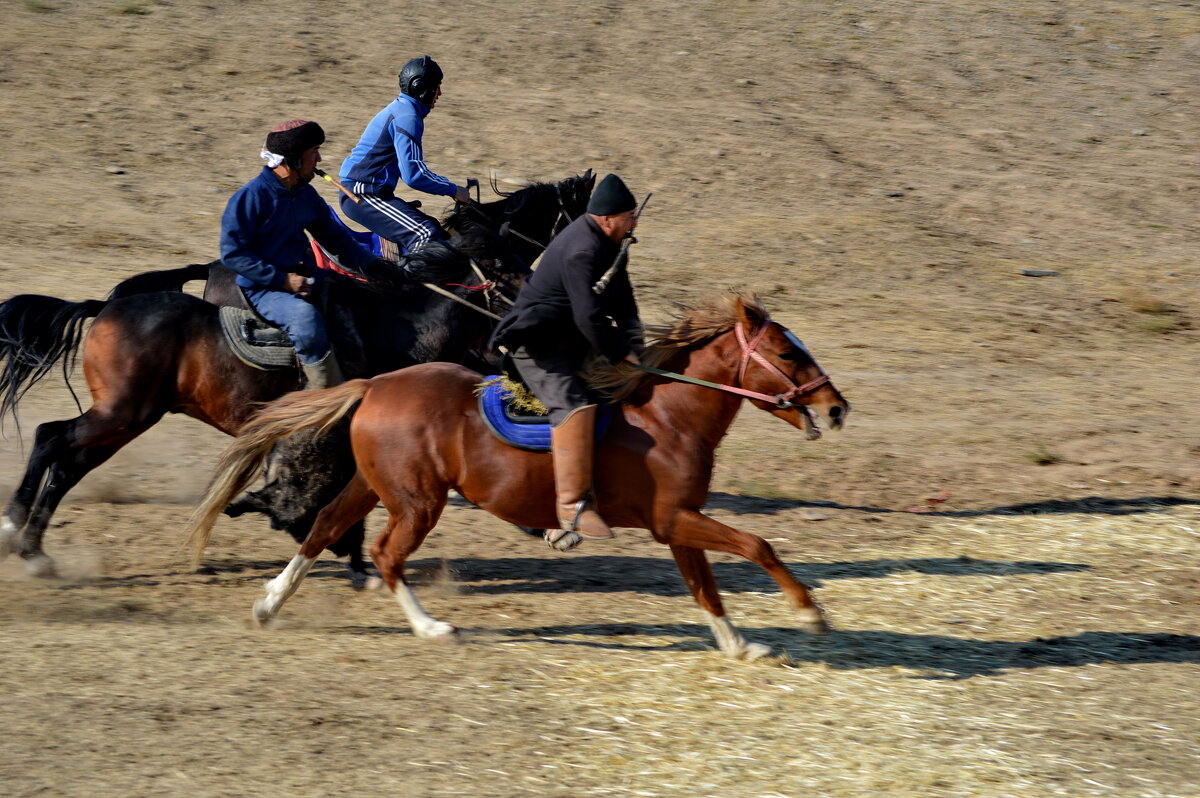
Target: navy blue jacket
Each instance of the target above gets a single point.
(262, 233)
(557, 310)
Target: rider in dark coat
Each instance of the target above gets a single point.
(558, 322)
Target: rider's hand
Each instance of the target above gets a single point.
(633, 358)
(298, 284)
(463, 194)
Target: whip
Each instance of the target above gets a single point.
(623, 255)
(336, 184)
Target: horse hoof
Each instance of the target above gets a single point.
(41, 566)
(373, 583)
(261, 614)
(816, 628)
(8, 537)
(439, 630)
(562, 540)
(753, 651)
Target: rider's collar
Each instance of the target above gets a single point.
(421, 108)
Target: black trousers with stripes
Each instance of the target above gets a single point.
(394, 219)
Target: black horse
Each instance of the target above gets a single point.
(152, 350)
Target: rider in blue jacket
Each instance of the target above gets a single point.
(263, 240)
(389, 151)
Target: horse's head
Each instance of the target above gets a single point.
(774, 362)
(573, 196)
(529, 216)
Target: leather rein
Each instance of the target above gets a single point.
(782, 401)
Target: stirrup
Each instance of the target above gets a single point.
(582, 506)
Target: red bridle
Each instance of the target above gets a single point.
(783, 400)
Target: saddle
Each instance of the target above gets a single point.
(261, 344)
(255, 341)
(521, 428)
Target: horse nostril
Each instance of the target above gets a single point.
(836, 412)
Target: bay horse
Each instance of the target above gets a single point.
(417, 433)
(149, 354)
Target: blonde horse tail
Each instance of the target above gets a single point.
(241, 462)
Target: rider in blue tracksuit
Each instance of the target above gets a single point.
(263, 240)
(389, 151)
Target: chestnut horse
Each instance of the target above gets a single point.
(417, 434)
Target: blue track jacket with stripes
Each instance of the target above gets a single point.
(262, 233)
(390, 150)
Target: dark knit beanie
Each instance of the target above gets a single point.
(292, 138)
(611, 197)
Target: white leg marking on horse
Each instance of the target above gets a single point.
(8, 537)
(282, 587)
(423, 624)
(731, 642)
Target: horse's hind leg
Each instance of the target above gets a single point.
(408, 526)
(351, 506)
(698, 575)
(69, 450)
(691, 528)
(17, 515)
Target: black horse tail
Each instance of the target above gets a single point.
(153, 282)
(241, 462)
(36, 332)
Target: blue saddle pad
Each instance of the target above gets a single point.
(531, 433)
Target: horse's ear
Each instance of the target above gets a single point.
(589, 179)
(750, 310)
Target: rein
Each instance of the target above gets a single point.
(487, 285)
(782, 401)
(451, 295)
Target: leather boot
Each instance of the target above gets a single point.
(325, 373)
(573, 445)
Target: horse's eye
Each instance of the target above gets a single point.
(791, 354)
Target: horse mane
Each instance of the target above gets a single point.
(569, 190)
(467, 216)
(691, 327)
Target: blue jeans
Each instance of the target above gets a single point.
(302, 322)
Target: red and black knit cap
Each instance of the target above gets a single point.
(293, 137)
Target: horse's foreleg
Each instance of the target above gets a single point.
(698, 575)
(351, 506)
(691, 528)
(405, 532)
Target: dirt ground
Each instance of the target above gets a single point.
(882, 174)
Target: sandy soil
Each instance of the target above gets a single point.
(882, 175)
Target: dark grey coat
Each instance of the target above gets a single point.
(557, 311)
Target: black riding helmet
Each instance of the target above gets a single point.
(420, 78)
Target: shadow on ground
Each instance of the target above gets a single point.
(610, 574)
(1096, 505)
(946, 657)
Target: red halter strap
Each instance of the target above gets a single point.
(748, 352)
